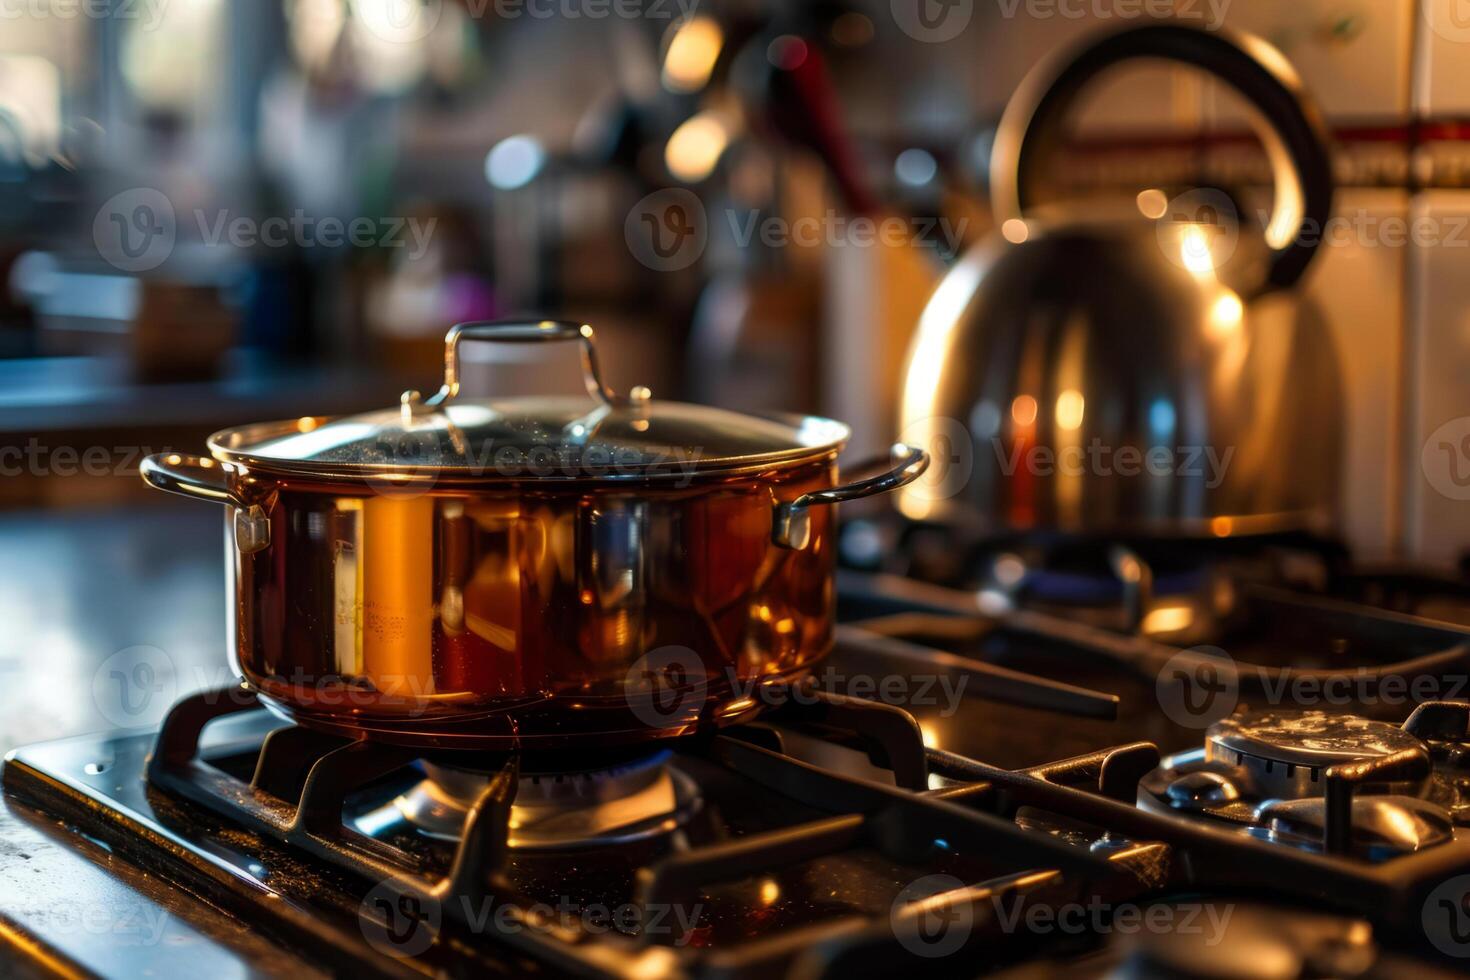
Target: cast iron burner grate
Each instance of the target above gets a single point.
(303, 779)
(253, 818)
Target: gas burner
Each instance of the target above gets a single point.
(645, 796)
(1285, 752)
(1290, 777)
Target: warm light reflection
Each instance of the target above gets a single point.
(1194, 250)
(770, 891)
(1152, 203)
(1168, 619)
(1070, 409)
(1226, 315)
(926, 359)
(1222, 527)
(696, 147)
(1023, 410)
(929, 735)
(692, 53)
(1014, 230)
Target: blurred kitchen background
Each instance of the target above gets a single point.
(218, 212)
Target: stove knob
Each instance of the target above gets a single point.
(1197, 790)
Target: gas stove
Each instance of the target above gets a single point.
(1029, 773)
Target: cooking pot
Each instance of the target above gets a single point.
(513, 573)
(1139, 369)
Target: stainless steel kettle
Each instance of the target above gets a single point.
(1144, 369)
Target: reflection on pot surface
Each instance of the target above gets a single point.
(450, 609)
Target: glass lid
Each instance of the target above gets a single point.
(608, 436)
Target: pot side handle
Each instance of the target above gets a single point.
(791, 526)
(209, 479)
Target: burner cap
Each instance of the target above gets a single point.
(1286, 751)
(631, 800)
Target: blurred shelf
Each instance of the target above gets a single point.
(70, 394)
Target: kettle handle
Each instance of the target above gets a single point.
(1290, 127)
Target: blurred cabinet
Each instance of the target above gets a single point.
(1437, 460)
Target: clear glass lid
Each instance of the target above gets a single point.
(605, 436)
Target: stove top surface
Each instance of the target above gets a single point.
(963, 787)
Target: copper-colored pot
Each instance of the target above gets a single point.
(506, 574)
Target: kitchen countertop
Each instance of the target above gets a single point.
(80, 594)
(86, 599)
